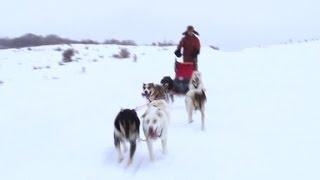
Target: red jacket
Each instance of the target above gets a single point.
(190, 45)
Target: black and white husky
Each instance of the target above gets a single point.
(196, 98)
(126, 129)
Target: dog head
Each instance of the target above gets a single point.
(167, 82)
(152, 122)
(196, 79)
(147, 89)
(128, 123)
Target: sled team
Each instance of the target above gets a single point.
(156, 117)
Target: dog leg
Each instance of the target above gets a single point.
(166, 97)
(190, 120)
(164, 146)
(172, 98)
(202, 119)
(149, 143)
(133, 147)
(189, 109)
(117, 145)
(125, 148)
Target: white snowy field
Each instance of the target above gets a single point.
(262, 114)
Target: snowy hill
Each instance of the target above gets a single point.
(262, 115)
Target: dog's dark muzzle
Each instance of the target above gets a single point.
(152, 133)
(145, 93)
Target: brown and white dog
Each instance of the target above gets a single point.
(154, 92)
(155, 122)
(196, 98)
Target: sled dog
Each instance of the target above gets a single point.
(196, 98)
(168, 84)
(126, 129)
(154, 92)
(155, 125)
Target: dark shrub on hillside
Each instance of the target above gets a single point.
(124, 53)
(67, 55)
(58, 49)
(215, 48)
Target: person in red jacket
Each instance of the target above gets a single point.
(190, 45)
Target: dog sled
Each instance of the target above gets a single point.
(183, 74)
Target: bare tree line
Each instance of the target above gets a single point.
(30, 40)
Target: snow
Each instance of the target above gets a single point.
(262, 114)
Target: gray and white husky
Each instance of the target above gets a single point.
(196, 98)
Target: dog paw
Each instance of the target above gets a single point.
(202, 128)
(120, 159)
(190, 121)
(152, 158)
(164, 151)
(129, 163)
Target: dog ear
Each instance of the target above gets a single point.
(121, 109)
(159, 114)
(144, 115)
(134, 111)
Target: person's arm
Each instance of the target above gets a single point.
(196, 51)
(198, 44)
(177, 52)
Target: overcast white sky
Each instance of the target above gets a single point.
(228, 24)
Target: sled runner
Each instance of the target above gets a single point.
(183, 75)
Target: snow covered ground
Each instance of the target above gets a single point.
(262, 114)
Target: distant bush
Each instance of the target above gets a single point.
(58, 49)
(164, 43)
(215, 48)
(41, 67)
(67, 55)
(124, 53)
